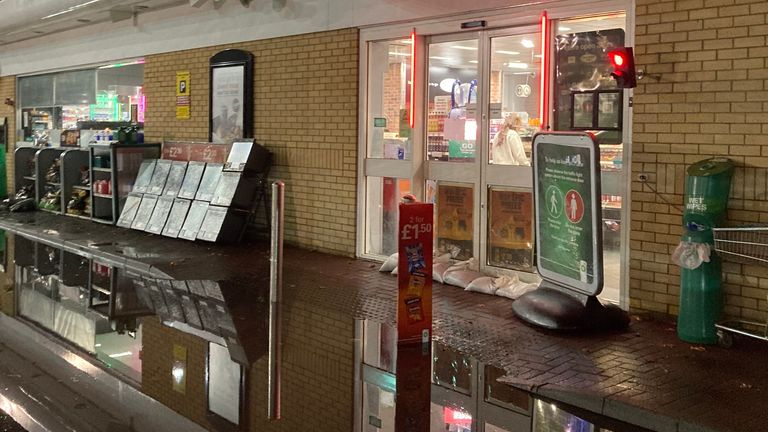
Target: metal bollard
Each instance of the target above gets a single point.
(275, 297)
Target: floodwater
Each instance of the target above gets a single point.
(201, 349)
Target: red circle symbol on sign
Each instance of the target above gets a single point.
(574, 206)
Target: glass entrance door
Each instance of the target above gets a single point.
(482, 110)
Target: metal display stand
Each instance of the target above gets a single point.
(25, 174)
(44, 159)
(118, 164)
(71, 177)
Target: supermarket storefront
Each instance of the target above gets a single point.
(447, 111)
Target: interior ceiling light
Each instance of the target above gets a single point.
(406, 41)
(440, 58)
(527, 43)
(518, 65)
(69, 9)
(507, 52)
(561, 28)
(468, 48)
(399, 54)
(473, 61)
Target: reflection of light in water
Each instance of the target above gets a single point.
(178, 373)
(121, 354)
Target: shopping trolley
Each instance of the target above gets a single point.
(746, 245)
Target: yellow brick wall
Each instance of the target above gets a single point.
(317, 372)
(8, 90)
(305, 112)
(709, 98)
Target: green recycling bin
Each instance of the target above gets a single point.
(707, 186)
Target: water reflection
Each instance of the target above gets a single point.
(200, 348)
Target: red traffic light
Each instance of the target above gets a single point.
(623, 62)
(617, 59)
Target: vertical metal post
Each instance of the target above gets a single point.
(275, 297)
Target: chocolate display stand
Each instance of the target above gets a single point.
(566, 192)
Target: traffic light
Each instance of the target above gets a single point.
(623, 61)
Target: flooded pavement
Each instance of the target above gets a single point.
(102, 327)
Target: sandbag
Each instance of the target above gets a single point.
(483, 285)
(514, 288)
(390, 264)
(438, 270)
(461, 278)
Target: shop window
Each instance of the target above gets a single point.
(586, 96)
(380, 345)
(389, 80)
(510, 229)
(54, 102)
(450, 419)
(454, 210)
(383, 195)
(548, 417)
(514, 98)
(452, 101)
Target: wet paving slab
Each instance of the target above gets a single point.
(182, 321)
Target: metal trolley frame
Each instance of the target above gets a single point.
(746, 245)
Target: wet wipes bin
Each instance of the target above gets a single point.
(707, 186)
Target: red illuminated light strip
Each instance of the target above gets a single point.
(411, 110)
(544, 85)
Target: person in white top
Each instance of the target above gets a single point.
(506, 146)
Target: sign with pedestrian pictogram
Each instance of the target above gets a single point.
(567, 203)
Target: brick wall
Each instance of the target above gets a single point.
(8, 90)
(305, 111)
(157, 363)
(317, 372)
(710, 98)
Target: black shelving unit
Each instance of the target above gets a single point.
(72, 162)
(44, 159)
(118, 164)
(25, 174)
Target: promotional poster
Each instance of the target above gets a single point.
(226, 103)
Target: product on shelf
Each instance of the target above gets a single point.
(26, 191)
(79, 204)
(51, 200)
(53, 175)
(85, 178)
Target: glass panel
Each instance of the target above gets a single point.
(223, 383)
(549, 418)
(451, 369)
(510, 229)
(36, 91)
(378, 409)
(514, 98)
(491, 428)
(504, 394)
(452, 101)
(75, 88)
(380, 348)
(454, 207)
(582, 65)
(382, 197)
(389, 83)
(120, 92)
(449, 419)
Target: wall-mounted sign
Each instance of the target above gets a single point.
(182, 95)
